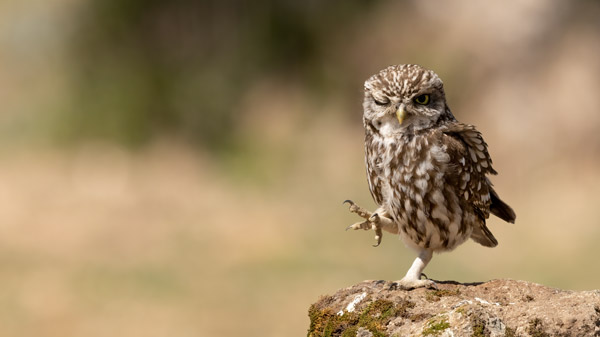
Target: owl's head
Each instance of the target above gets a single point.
(404, 98)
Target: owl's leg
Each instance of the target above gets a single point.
(376, 221)
(412, 279)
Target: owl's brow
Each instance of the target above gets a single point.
(416, 78)
(394, 83)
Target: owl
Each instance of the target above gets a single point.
(427, 172)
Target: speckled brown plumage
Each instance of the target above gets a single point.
(427, 172)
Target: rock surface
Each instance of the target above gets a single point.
(494, 308)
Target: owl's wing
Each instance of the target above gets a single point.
(471, 163)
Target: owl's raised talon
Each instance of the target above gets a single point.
(378, 236)
(354, 208)
(373, 221)
(366, 225)
(376, 221)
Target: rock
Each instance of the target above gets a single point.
(494, 308)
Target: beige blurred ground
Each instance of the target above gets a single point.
(97, 240)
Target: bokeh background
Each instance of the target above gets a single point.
(176, 168)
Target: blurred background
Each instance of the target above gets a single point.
(176, 168)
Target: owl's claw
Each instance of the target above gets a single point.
(372, 221)
(367, 225)
(360, 225)
(375, 220)
(354, 208)
(378, 236)
(364, 225)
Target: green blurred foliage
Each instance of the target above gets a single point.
(143, 68)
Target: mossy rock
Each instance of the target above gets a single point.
(374, 317)
(436, 326)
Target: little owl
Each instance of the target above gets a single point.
(426, 171)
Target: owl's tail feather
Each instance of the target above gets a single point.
(501, 209)
(483, 236)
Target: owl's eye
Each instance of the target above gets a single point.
(422, 99)
(381, 101)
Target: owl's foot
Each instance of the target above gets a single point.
(373, 221)
(367, 225)
(413, 279)
(409, 284)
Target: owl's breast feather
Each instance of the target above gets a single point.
(412, 184)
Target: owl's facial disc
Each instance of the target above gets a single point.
(387, 120)
(387, 125)
(398, 117)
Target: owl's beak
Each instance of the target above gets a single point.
(400, 113)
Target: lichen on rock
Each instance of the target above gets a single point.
(491, 309)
